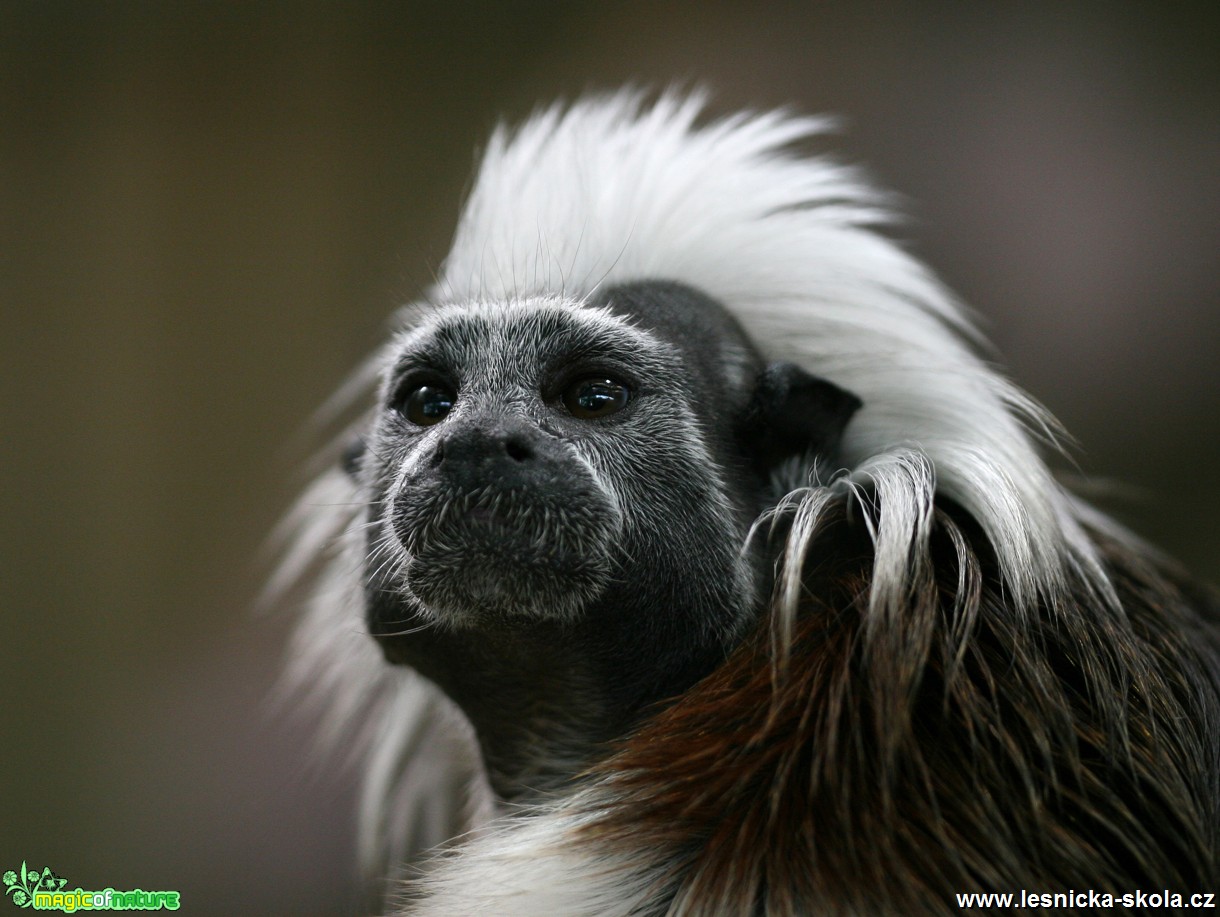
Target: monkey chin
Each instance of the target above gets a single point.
(479, 567)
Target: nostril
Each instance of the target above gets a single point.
(438, 454)
(518, 449)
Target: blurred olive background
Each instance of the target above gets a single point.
(209, 210)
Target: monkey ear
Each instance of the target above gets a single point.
(793, 412)
(352, 457)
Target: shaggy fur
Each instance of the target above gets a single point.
(955, 676)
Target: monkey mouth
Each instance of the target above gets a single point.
(505, 554)
(495, 522)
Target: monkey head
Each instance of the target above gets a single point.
(561, 495)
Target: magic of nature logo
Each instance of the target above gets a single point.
(42, 890)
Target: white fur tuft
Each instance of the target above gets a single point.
(612, 190)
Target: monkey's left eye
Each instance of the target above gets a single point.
(592, 398)
(427, 404)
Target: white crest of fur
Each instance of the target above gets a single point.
(613, 190)
(610, 191)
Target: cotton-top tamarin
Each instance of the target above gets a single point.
(689, 560)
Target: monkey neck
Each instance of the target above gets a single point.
(546, 700)
(533, 698)
(538, 717)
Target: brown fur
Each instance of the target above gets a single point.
(948, 745)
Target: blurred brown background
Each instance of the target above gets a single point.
(208, 210)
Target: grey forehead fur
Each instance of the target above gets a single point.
(498, 338)
(663, 323)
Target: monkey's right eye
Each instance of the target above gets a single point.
(595, 397)
(426, 404)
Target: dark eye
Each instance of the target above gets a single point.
(590, 398)
(427, 404)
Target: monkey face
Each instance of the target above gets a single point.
(495, 505)
(529, 457)
(576, 481)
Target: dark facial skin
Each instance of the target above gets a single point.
(560, 498)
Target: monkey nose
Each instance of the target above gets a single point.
(514, 445)
(476, 455)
